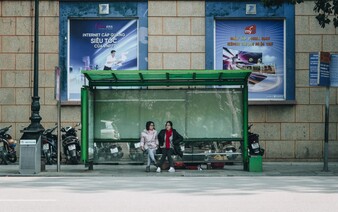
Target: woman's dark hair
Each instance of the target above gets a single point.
(148, 124)
(169, 122)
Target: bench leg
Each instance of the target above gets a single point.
(91, 166)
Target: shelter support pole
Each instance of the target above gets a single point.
(245, 128)
(326, 136)
(84, 124)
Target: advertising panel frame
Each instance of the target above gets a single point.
(118, 10)
(230, 10)
(257, 45)
(97, 38)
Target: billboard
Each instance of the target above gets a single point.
(94, 44)
(256, 45)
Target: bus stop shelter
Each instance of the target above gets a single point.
(209, 108)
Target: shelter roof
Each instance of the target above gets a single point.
(166, 77)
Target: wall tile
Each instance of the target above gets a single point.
(330, 43)
(268, 131)
(155, 61)
(309, 113)
(16, 44)
(257, 113)
(24, 61)
(17, 8)
(191, 8)
(295, 131)
(23, 96)
(279, 149)
(197, 26)
(162, 44)
(303, 95)
(161, 8)
(317, 131)
(280, 113)
(309, 149)
(190, 44)
(7, 61)
(176, 26)
(308, 43)
(7, 26)
(198, 61)
(7, 96)
(176, 61)
(155, 26)
(302, 25)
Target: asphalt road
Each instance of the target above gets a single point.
(74, 194)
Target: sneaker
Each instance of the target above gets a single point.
(148, 169)
(158, 170)
(171, 169)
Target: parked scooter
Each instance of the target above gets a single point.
(114, 152)
(253, 142)
(49, 146)
(230, 150)
(135, 152)
(71, 144)
(107, 151)
(7, 147)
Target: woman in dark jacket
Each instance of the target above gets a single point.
(169, 140)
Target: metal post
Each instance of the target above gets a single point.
(245, 127)
(84, 124)
(35, 127)
(58, 99)
(326, 137)
(59, 135)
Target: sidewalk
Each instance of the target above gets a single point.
(269, 169)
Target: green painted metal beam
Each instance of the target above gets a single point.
(166, 77)
(84, 123)
(245, 129)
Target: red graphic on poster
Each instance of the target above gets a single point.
(250, 29)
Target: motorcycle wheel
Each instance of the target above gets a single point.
(72, 157)
(48, 160)
(74, 160)
(12, 158)
(54, 159)
(3, 159)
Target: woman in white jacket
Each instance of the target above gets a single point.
(149, 143)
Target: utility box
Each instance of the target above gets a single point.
(30, 156)
(255, 163)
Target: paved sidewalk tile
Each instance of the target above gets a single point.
(269, 169)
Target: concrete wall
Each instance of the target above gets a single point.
(17, 62)
(176, 41)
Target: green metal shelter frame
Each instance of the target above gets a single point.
(148, 79)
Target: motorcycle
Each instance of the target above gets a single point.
(253, 142)
(230, 150)
(7, 147)
(71, 144)
(107, 151)
(135, 152)
(49, 146)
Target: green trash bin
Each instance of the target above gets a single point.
(255, 163)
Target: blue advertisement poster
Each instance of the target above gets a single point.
(324, 69)
(320, 69)
(334, 70)
(313, 69)
(256, 45)
(100, 45)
